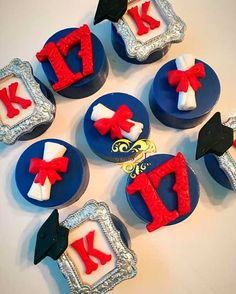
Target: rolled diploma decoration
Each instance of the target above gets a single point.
(100, 111)
(51, 151)
(187, 101)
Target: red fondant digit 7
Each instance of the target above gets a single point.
(178, 166)
(82, 36)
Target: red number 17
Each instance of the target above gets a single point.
(55, 52)
(147, 185)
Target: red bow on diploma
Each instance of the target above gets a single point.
(115, 124)
(48, 169)
(182, 79)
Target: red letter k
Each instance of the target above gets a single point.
(84, 254)
(139, 20)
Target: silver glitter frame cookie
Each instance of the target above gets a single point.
(43, 111)
(126, 259)
(226, 161)
(142, 50)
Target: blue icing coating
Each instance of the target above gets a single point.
(88, 85)
(38, 131)
(167, 195)
(216, 172)
(102, 145)
(163, 98)
(120, 49)
(74, 181)
(124, 234)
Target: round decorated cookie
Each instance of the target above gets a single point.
(165, 193)
(88, 247)
(141, 32)
(114, 124)
(183, 92)
(52, 173)
(74, 62)
(217, 144)
(27, 106)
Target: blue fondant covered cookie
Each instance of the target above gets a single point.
(114, 119)
(183, 93)
(141, 31)
(74, 62)
(52, 173)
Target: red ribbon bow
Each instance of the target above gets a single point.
(182, 79)
(115, 124)
(48, 169)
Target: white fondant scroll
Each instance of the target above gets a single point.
(100, 111)
(51, 151)
(187, 101)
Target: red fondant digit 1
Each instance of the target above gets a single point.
(147, 184)
(64, 75)
(85, 254)
(161, 216)
(53, 52)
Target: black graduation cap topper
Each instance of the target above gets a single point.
(112, 10)
(214, 137)
(52, 239)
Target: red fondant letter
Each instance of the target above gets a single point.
(12, 98)
(144, 17)
(84, 254)
(147, 185)
(53, 52)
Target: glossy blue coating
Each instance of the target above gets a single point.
(102, 145)
(163, 99)
(167, 195)
(216, 172)
(119, 46)
(122, 229)
(38, 131)
(63, 193)
(88, 85)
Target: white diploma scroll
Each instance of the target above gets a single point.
(51, 151)
(100, 111)
(187, 101)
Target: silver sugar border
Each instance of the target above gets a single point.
(43, 111)
(126, 259)
(142, 50)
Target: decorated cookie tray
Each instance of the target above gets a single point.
(91, 246)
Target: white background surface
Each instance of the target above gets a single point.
(197, 256)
